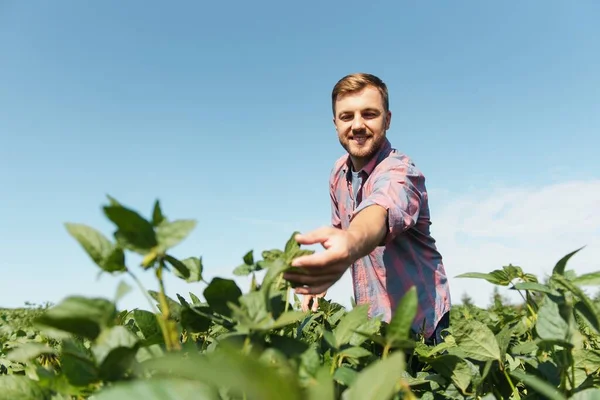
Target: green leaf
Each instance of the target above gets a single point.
(292, 245)
(497, 277)
(159, 389)
(587, 394)
(452, 367)
(378, 380)
(321, 388)
(134, 232)
(355, 352)
(249, 258)
(98, 247)
(535, 287)
(21, 387)
(80, 316)
(406, 311)
(550, 324)
(28, 351)
(114, 351)
(476, 340)
(349, 323)
(288, 318)
(231, 370)
(170, 234)
(77, 363)
(591, 279)
(157, 214)
(537, 384)
(592, 311)
(195, 319)
(221, 291)
(181, 270)
(345, 376)
(559, 268)
(122, 290)
(194, 265)
(149, 329)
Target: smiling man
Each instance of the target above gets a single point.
(380, 218)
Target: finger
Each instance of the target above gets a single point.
(315, 304)
(317, 259)
(317, 236)
(305, 301)
(313, 290)
(311, 280)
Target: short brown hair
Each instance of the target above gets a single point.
(355, 83)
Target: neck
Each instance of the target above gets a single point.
(358, 163)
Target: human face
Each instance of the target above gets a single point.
(361, 122)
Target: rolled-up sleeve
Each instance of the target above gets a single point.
(396, 190)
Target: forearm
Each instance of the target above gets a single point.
(367, 230)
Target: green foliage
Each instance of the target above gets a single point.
(258, 344)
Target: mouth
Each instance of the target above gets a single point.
(359, 139)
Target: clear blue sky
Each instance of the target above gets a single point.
(222, 111)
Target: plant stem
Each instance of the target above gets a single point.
(143, 290)
(386, 350)
(512, 386)
(169, 328)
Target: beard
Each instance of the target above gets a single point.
(362, 150)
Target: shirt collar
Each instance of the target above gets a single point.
(382, 153)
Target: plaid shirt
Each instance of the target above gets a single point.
(409, 255)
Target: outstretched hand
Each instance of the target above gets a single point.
(319, 271)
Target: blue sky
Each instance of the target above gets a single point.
(222, 111)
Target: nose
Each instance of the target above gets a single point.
(358, 123)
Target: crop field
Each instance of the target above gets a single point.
(256, 343)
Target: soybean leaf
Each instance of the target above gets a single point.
(107, 256)
(345, 376)
(452, 367)
(160, 389)
(497, 277)
(249, 258)
(28, 351)
(537, 384)
(476, 340)
(134, 232)
(559, 268)
(221, 291)
(378, 380)
(591, 279)
(550, 324)
(406, 311)
(77, 363)
(170, 234)
(148, 326)
(292, 245)
(157, 214)
(22, 388)
(592, 311)
(534, 286)
(231, 370)
(114, 351)
(321, 388)
(350, 323)
(80, 316)
(181, 269)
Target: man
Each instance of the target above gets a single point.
(380, 218)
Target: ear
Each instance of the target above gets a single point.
(388, 120)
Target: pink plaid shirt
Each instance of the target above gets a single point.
(409, 255)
